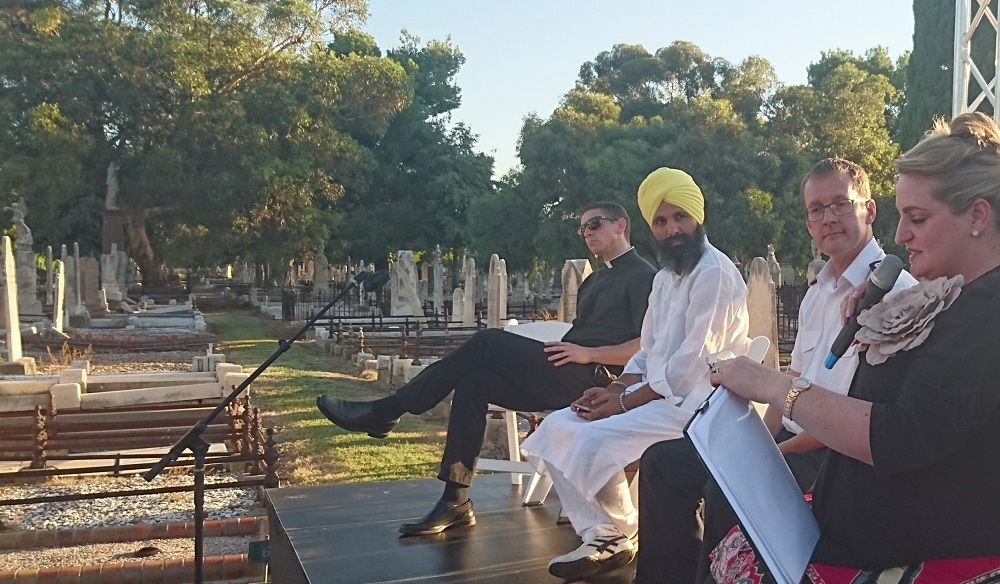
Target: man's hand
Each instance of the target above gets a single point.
(586, 402)
(562, 353)
(597, 403)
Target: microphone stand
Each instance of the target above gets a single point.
(198, 446)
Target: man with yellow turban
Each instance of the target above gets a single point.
(697, 308)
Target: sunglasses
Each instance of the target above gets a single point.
(594, 223)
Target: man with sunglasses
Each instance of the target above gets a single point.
(518, 373)
(684, 515)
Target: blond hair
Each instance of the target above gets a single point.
(963, 157)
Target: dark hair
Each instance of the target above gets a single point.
(964, 159)
(611, 210)
(837, 165)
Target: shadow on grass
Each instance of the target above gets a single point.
(313, 451)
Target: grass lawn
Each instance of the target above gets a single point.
(314, 451)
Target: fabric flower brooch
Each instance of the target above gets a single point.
(902, 320)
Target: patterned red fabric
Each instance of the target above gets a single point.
(734, 562)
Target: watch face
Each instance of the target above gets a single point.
(801, 383)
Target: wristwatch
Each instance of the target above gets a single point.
(799, 384)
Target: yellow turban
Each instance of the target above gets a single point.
(672, 186)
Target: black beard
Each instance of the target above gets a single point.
(683, 257)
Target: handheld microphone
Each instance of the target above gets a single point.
(879, 283)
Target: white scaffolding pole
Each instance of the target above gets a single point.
(964, 69)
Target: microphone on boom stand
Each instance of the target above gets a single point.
(198, 446)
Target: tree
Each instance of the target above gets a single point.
(232, 125)
(426, 173)
(930, 70)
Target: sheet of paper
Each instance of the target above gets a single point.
(741, 455)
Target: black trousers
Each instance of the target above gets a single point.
(683, 514)
(492, 367)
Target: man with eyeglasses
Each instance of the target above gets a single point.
(673, 483)
(518, 373)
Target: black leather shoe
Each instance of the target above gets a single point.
(444, 515)
(354, 416)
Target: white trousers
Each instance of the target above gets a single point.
(610, 513)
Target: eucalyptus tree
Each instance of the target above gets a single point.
(233, 127)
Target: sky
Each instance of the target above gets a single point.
(523, 56)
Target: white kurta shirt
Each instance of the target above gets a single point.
(689, 318)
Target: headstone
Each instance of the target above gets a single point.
(69, 275)
(79, 308)
(49, 281)
(59, 278)
(438, 282)
(403, 291)
(109, 275)
(545, 286)
(90, 288)
(816, 265)
(469, 300)
(26, 274)
(787, 275)
(457, 304)
(321, 271)
(9, 301)
(574, 272)
(762, 306)
(496, 293)
(773, 267)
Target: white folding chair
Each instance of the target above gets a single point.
(547, 330)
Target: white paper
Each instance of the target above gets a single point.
(741, 455)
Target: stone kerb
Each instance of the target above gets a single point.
(66, 396)
(150, 395)
(74, 375)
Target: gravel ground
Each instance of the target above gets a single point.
(219, 503)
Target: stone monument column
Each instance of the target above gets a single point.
(114, 220)
(27, 270)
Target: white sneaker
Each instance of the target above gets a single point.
(602, 553)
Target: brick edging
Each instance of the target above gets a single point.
(177, 571)
(33, 538)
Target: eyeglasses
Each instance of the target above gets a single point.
(594, 223)
(817, 212)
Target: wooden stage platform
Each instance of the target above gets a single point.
(348, 534)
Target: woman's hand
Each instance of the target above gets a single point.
(751, 380)
(850, 301)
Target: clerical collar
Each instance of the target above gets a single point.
(608, 262)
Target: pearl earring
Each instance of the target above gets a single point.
(975, 233)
